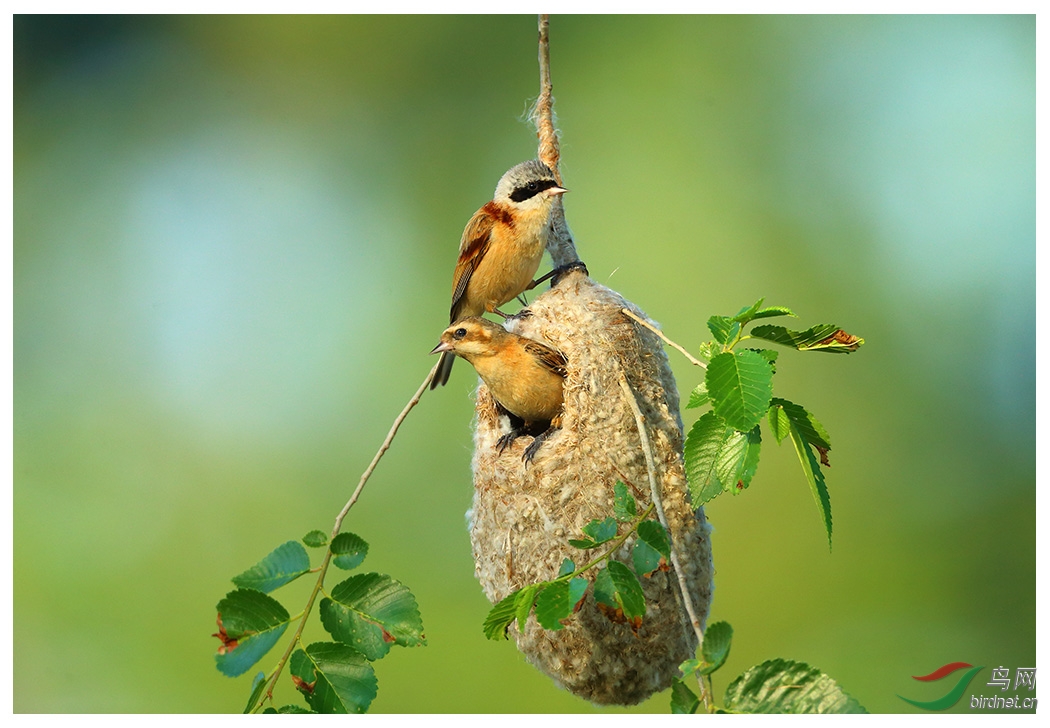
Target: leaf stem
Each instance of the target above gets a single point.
(323, 568)
(646, 324)
(616, 543)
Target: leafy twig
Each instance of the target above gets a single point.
(654, 487)
(323, 568)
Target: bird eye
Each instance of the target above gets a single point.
(532, 186)
(459, 333)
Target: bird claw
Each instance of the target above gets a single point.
(504, 442)
(558, 273)
(534, 446)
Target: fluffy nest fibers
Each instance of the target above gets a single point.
(523, 517)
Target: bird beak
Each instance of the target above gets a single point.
(443, 346)
(557, 190)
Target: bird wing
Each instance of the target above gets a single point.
(546, 356)
(472, 249)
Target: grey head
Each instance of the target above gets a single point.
(528, 183)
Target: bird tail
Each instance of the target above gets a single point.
(444, 369)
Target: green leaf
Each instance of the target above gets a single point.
(740, 386)
(822, 337)
(627, 591)
(769, 355)
(289, 709)
(709, 350)
(501, 615)
(779, 422)
(748, 312)
(654, 534)
(557, 601)
(784, 686)
(807, 425)
(690, 666)
(718, 458)
(698, 397)
(624, 506)
(599, 532)
(683, 700)
(250, 623)
(348, 550)
(567, 567)
(258, 683)
(815, 478)
(771, 311)
(523, 604)
(285, 563)
(315, 539)
(645, 558)
(717, 640)
(723, 328)
(371, 612)
(333, 678)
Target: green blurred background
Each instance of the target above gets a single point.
(233, 242)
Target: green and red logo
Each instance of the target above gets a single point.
(953, 695)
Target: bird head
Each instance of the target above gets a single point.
(528, 185)
(470, 337)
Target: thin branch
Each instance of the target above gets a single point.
(323, 568)
(543, 111)
(654, 487)
(659, 333)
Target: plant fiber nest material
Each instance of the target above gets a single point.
(523, 517)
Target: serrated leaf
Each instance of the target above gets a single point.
(698, 397)
(709, 350)
(645, 558)
(718, 638)
(601, 531)
(582, 543)
(624, 506)
(718, 458)
(523, 605)
(785, 686)
(258, 683)
(654, 534)
(371, 612)
(723, 328)
(740, 386)
(815, 478)
(285, 563)
(348, 550)
(683, 700)
(627, 589)
(501, 615)
(567, 567)
(771, 311)
(315, 539)
(769, 355)
(779, 422)
(333, 678)
(822, 337)
(748, 312)
(553, 605)
(604, 589)
(250, 623)
(807, 425)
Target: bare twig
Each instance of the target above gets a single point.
(659, 333)
(654, 487)
(560, 244)
(323, 568)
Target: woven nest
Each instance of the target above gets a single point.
(522, 517)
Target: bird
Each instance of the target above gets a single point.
(501, 247)
(525, 377)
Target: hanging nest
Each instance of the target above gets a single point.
(523, 517)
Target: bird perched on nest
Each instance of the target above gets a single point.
(524, 376)
(501, 247)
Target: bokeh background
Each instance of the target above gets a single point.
(233, 242)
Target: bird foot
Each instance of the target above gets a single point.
(504, 442)
(560, 272)
(534, 446)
